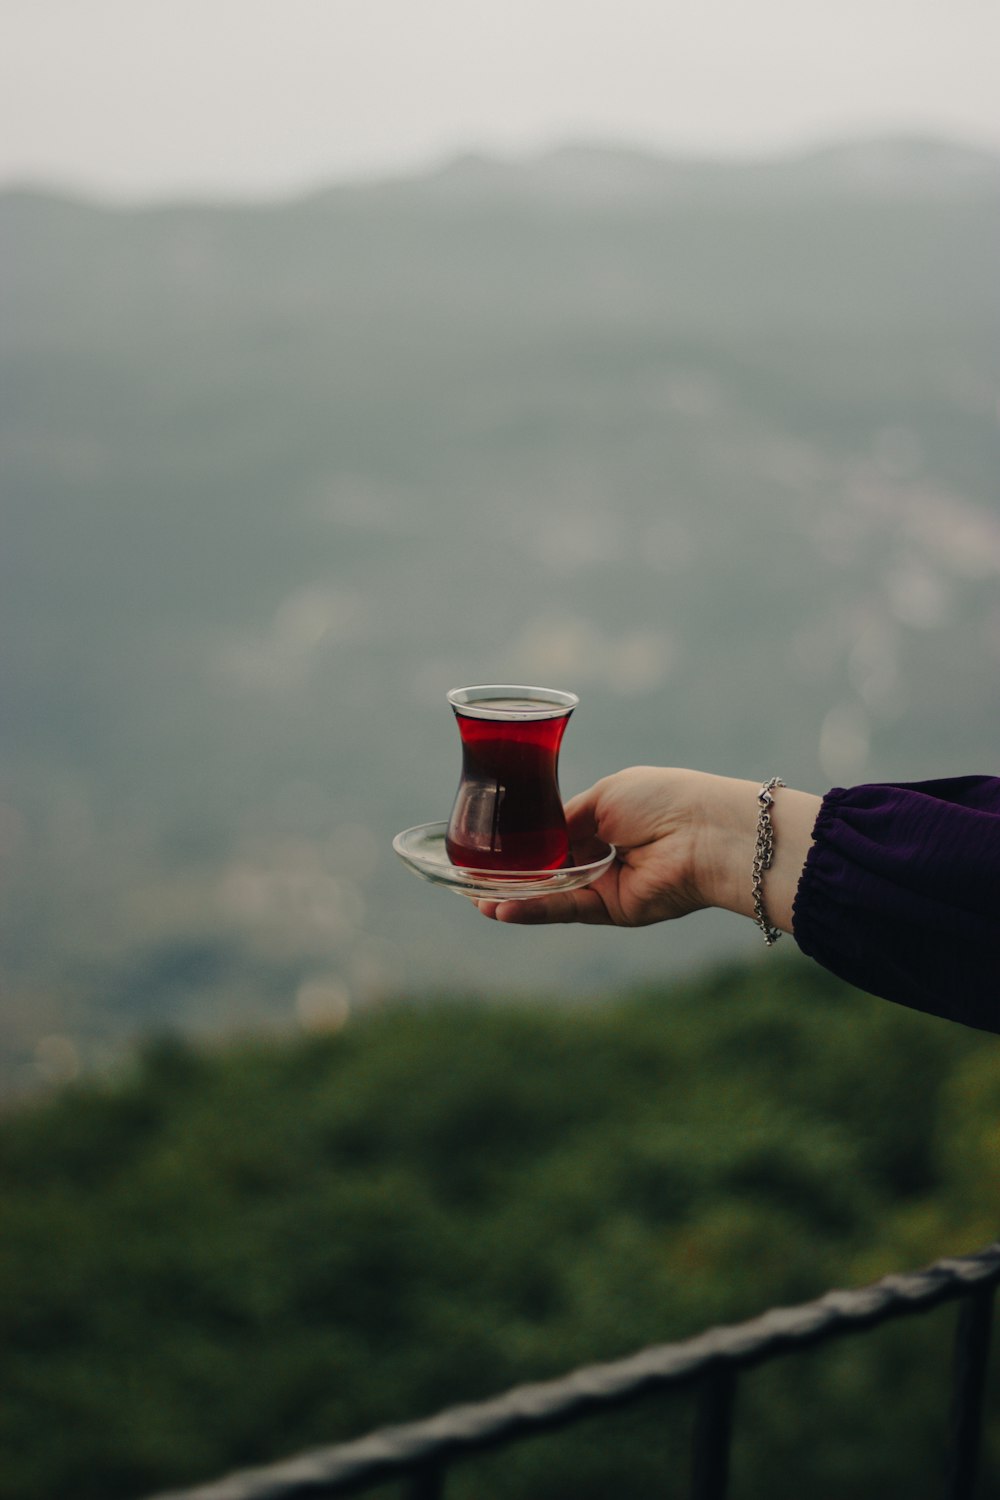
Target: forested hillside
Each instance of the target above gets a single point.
(219, 1256)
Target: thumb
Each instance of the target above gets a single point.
(581, 815)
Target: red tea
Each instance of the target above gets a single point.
(508, 813)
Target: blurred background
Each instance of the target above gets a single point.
(355, 352)
(351, 353)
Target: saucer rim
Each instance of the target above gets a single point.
(488, 884)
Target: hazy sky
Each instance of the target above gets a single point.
(156, 97)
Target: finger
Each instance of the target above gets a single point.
(567, 906)
(581, 814)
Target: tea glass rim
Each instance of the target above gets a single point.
(553, 703)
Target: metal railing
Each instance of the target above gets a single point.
(419, 1454)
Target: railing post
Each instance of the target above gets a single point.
(972, 1347)
(426, 1483)
(712, 1431)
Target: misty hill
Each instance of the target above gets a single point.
(714, 445)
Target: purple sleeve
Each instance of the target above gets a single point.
(900, 894)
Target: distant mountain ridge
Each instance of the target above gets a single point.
(593, 171)
(596, 171)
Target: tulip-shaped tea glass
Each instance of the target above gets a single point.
(506, 839)
(508, 814)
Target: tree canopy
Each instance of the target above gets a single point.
(218, 1256)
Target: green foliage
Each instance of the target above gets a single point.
(225, 1256)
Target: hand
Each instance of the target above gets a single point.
(684, 841)
(652, 816)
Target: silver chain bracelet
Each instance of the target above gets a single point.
(762, 855)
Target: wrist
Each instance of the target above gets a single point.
(724, 855)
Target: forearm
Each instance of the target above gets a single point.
(895, 888)
(728, 824)
(901, 894)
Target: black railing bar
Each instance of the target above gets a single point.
(713, 1430)
(972, 1348)
(426, 1483)
(395, 1451)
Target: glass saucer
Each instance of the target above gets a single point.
(422, 850)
